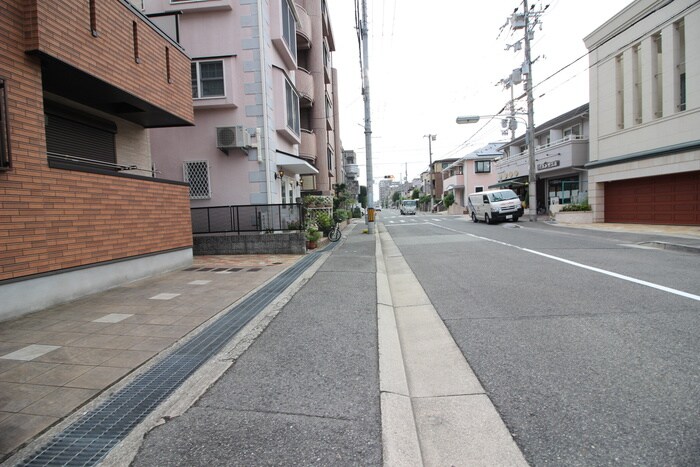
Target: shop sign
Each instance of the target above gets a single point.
(548, 165)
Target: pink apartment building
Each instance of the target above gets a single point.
(474, 172)
(264, 91)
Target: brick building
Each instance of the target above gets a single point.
(80, 209)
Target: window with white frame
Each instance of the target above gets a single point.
(208, 79)
(196, 173)
(292, 99)
(289, 27)
(572, 131)
(482, 167)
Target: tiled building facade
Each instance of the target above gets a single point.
(80, 211)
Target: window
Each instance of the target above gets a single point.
(292, 99)
(478, 189)
(4, 130)
(289, 28)
(326, 56)
(680, 64)
(572, 131)
(196, 173)
(208, 79)
(637, 84)
(658, 83)
(329, 154)
(482, 166)
(620, 91)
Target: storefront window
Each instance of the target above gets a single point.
(564, 190)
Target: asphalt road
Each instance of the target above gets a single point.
(587, 345)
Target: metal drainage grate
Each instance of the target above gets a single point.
(90, 438)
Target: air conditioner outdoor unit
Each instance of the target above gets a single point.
(232, 137)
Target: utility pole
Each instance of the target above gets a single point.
(532, 178)
(527, 21)
(368, 120)
(431, 138)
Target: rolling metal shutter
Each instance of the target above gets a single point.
(83, 136)
(666, 199)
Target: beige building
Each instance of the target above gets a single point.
(645, 113)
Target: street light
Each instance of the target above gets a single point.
(469, 119)
(529, 140)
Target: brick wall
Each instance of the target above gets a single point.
(51, 219)
(62, 29)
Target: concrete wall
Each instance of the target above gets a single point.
(22, 297)
(233, 244)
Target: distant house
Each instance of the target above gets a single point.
(471, 173)
(265, 101)
(80, 85)
(645, 113)
(435, 176)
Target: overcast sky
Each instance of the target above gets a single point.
(433, 61)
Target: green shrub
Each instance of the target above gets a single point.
(449, 199)
(324, 221)
(583, 206)
(312, 234)
(340, 215)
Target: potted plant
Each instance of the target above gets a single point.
(312, 236)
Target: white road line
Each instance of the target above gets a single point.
(584, 266)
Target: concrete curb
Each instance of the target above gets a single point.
(400, 445)
(434, 409)
(672, 247)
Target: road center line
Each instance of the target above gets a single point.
(583, 266)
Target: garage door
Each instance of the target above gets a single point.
(666, 199)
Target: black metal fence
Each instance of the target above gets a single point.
(247, 218)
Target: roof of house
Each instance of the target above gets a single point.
(488, 152)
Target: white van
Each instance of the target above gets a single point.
(408, 206)
(495, 205)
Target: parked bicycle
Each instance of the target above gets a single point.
(335, 234)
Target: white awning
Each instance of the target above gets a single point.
(294, 164)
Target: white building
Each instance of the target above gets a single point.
(645, 113)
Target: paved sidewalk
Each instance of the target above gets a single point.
(54, 361)
(306, 391)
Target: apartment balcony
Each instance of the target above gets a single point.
(305, 86)
(121, 64)
(562, 155)
(352, 171)
(454, 182)
(557, 156)
(307, 148)
(303, 28)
